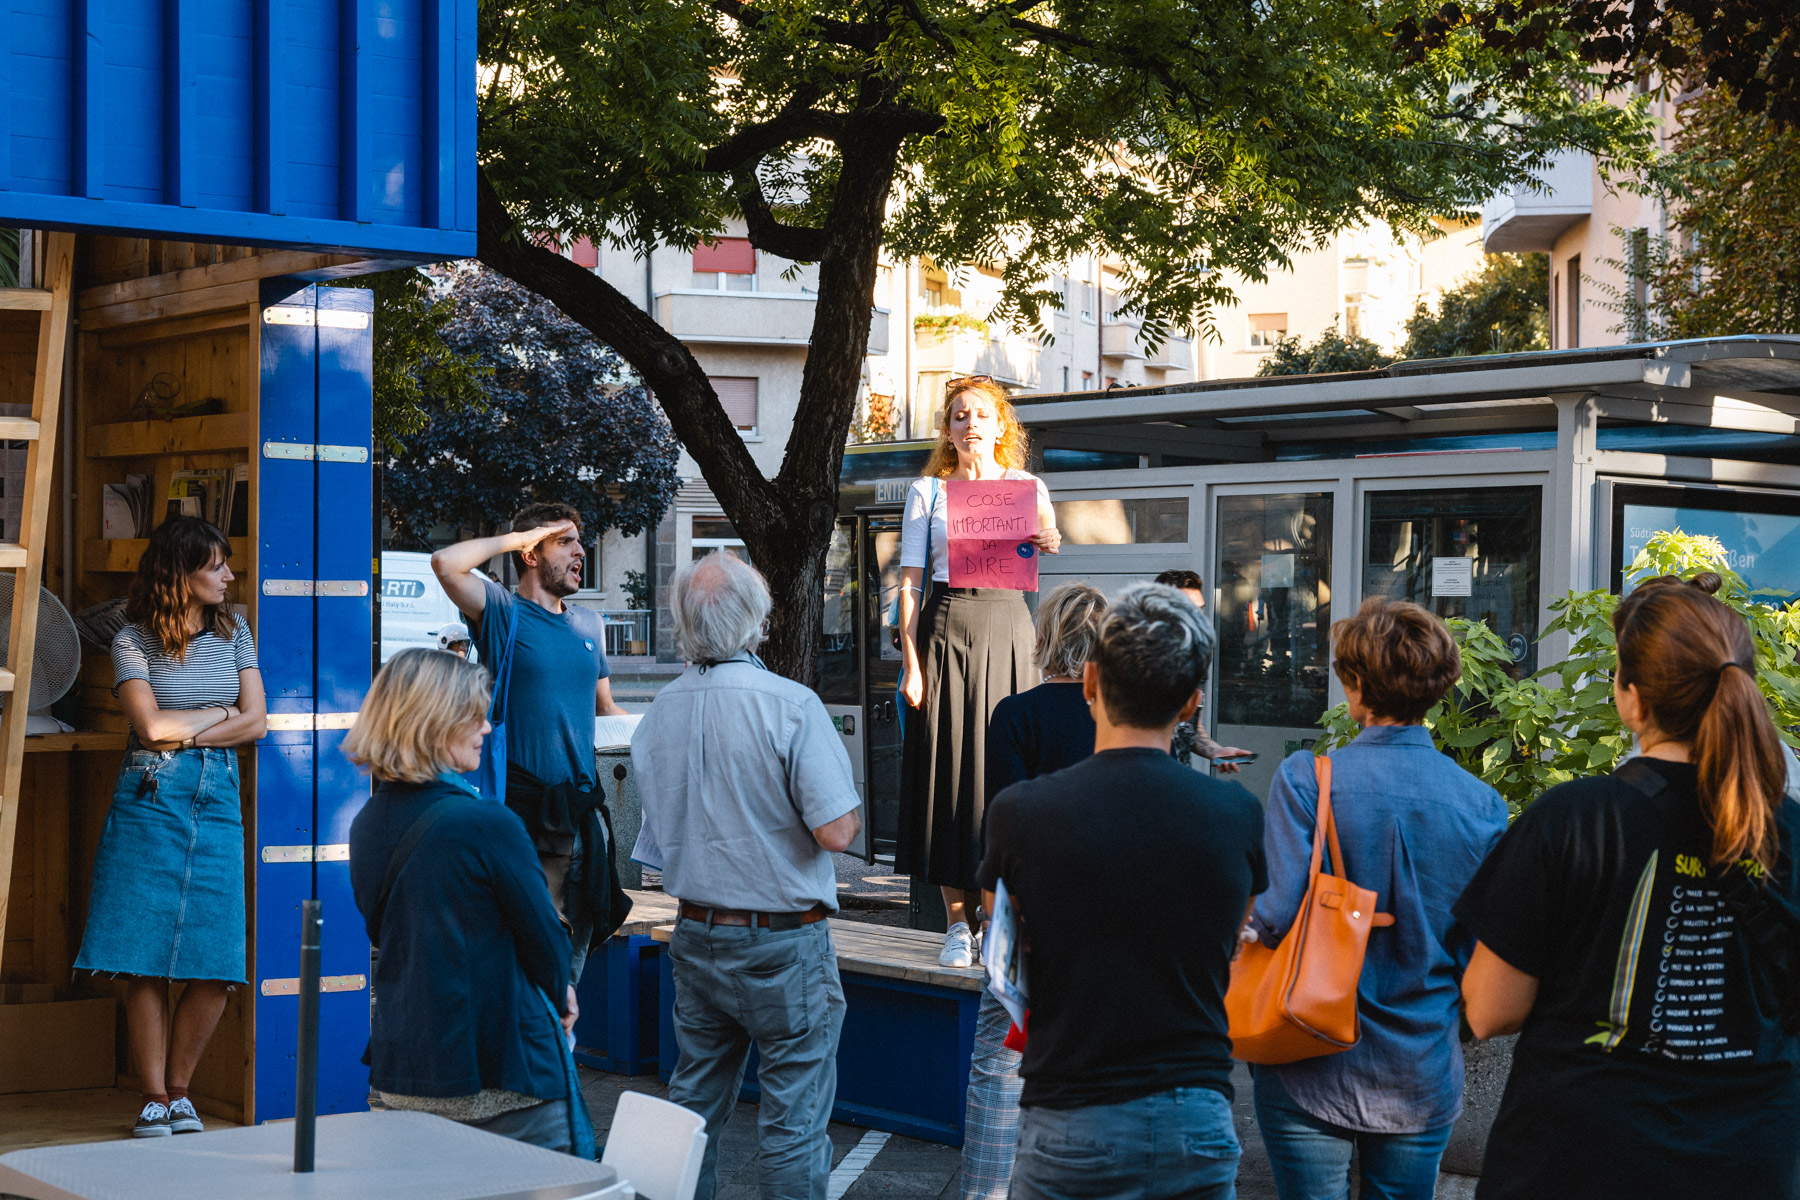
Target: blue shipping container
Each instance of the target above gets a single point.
(344, 125)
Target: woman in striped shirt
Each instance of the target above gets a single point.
(168, 895)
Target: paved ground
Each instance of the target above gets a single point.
(903, 1166)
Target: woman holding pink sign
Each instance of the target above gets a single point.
(967, 554)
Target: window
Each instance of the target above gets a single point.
(1273, 582)
(1266, 329)
(1352, 318)
(728, 256)
(1087, 301)
(584, 253)
(1087, 381)
(737, 395)
(1138, 520)
(884, 283)
(1417, 541)
(1065, 386)
(716, 533)
(1572, 305)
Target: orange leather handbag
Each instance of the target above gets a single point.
(1298, 1000)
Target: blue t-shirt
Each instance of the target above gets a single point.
(558, 661)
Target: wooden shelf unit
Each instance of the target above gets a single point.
(120, 555)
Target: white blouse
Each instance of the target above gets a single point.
(912, 533)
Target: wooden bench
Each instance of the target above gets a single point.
(909, 1031)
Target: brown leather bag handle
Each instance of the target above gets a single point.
(1325, 830)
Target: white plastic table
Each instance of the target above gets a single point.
(359, 1156)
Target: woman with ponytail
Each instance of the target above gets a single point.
(1639, 929)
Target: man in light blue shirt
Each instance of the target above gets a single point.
(746, 791)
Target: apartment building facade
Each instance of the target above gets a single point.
(1590, 227)
(747, 318)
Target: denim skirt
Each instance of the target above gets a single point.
(168, 896)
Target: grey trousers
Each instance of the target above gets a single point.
(545, 1125)
(737, 985)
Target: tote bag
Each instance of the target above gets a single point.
(900, 705)
(490, 777)
(1298, 1000)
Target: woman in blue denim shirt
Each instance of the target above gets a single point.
(1414, 828)
(168, 896)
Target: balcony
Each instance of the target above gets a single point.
(1119, 340)
(703, 317)
(1175, 354)
(1525, 220)
(1008, 358)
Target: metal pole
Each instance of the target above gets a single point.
(306, 1084)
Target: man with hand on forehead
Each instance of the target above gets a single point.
(558, 682)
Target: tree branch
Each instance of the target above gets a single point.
(798, 242)
(856, 35)
(797, 121)
(678, 381)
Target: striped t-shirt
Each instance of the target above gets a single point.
(206, 676)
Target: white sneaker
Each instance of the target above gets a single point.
(959, 947)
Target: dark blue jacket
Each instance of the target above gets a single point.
(469, 940)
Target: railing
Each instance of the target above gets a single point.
(627, 631)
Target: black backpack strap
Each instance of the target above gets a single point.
(402, 851)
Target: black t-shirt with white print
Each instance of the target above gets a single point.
(1653, 1062)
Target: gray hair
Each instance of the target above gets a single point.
(1068, 626)
(1155, 649)
(719, 606)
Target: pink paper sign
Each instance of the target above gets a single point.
(991, 522)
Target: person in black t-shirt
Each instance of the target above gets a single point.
(1634, 927)
(1127, 1061)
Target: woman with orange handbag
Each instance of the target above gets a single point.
(1413, 827)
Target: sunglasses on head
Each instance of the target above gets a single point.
(963, 381)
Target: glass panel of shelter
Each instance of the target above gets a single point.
(1414, 542)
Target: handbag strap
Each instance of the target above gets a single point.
(1325, 831)
(930, 516)
(503, 668)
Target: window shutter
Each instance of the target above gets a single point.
(737, 393)
(585, 254)
(731, 256)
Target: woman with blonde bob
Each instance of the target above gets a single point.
(451, 891)
(1639, 930)
(962, 651)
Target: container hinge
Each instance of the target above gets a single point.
(307, 451)
(339, 852)
(323, 318)
(301, 722)
(315, 587)
(327, 983)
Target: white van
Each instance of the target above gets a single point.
(414, 605)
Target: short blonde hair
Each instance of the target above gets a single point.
(1068, 628)
(415, 706)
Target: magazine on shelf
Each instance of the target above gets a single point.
(1003, 953)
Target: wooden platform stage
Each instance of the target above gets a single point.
(61, 1118)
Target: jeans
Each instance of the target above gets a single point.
(991, 1113)
(1310, 1158)
(735, 985)
(1175, 1143)
(545, 1125)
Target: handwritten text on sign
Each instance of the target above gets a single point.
(991, 523)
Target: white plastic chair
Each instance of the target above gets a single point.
(657, 1146)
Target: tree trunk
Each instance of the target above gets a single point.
(785, 522)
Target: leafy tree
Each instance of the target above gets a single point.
(565, 421)
(1180, 136)
(1732, 187)
(412, 359)
(1502, 309)
(1522, 736)
(1331, 352)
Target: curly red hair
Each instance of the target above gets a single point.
(1013, 448)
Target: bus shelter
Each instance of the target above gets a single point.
(1481, 487)
(187, 176)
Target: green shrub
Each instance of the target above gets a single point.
(1523, 736)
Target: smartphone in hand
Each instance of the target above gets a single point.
(1235, 760)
